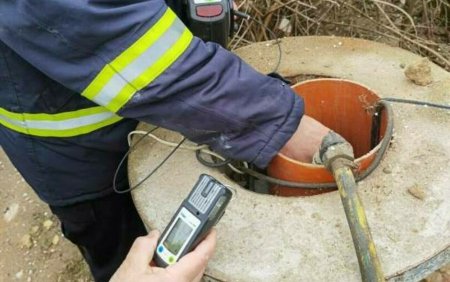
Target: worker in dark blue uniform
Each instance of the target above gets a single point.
(77, 76)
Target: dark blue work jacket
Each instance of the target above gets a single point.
(76, 76)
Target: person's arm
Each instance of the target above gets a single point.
(138, 60)
(136, 266)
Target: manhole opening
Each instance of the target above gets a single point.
(344, 106)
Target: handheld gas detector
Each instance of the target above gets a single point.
(198, 213)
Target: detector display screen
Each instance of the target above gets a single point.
(178, 236)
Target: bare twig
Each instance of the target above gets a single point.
(415, 42)
(401, 11)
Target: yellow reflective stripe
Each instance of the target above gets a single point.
(130, 54)
(124, 95)
(11, 115)
(140, 64)
(145, 41)
(65, 124)
(152, 72)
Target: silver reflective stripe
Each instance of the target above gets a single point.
(69, 123)
(110, 90)
(140, 64)
(65, 124)
(60, 124)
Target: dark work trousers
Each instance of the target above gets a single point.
(103, 229)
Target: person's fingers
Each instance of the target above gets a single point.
(142, 250)
(194, 263)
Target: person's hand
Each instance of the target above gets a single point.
(136, 267)
(306, 140)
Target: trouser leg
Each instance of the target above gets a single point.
(103, 229)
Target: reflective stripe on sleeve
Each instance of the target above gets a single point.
(140, 64)
(67, 124)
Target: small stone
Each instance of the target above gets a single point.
(402, 65)
(417, 191)
(55, 240)
(47, 224)
(19, 274)
(387, 170)
(11, 212)
(26, 242)
(34, 230)
(419, 72)
(29, 279)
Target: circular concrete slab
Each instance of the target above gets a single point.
(268, 238)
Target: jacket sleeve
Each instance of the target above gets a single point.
(137, 59)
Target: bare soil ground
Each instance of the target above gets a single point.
(32, 247)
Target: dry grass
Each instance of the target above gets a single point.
(421, 26)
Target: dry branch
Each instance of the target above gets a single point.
(421, 26)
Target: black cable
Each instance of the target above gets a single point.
(286, 183)
(148, 175)
(383, 104)
(416, 102)
(378, 156)
(277, 40)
